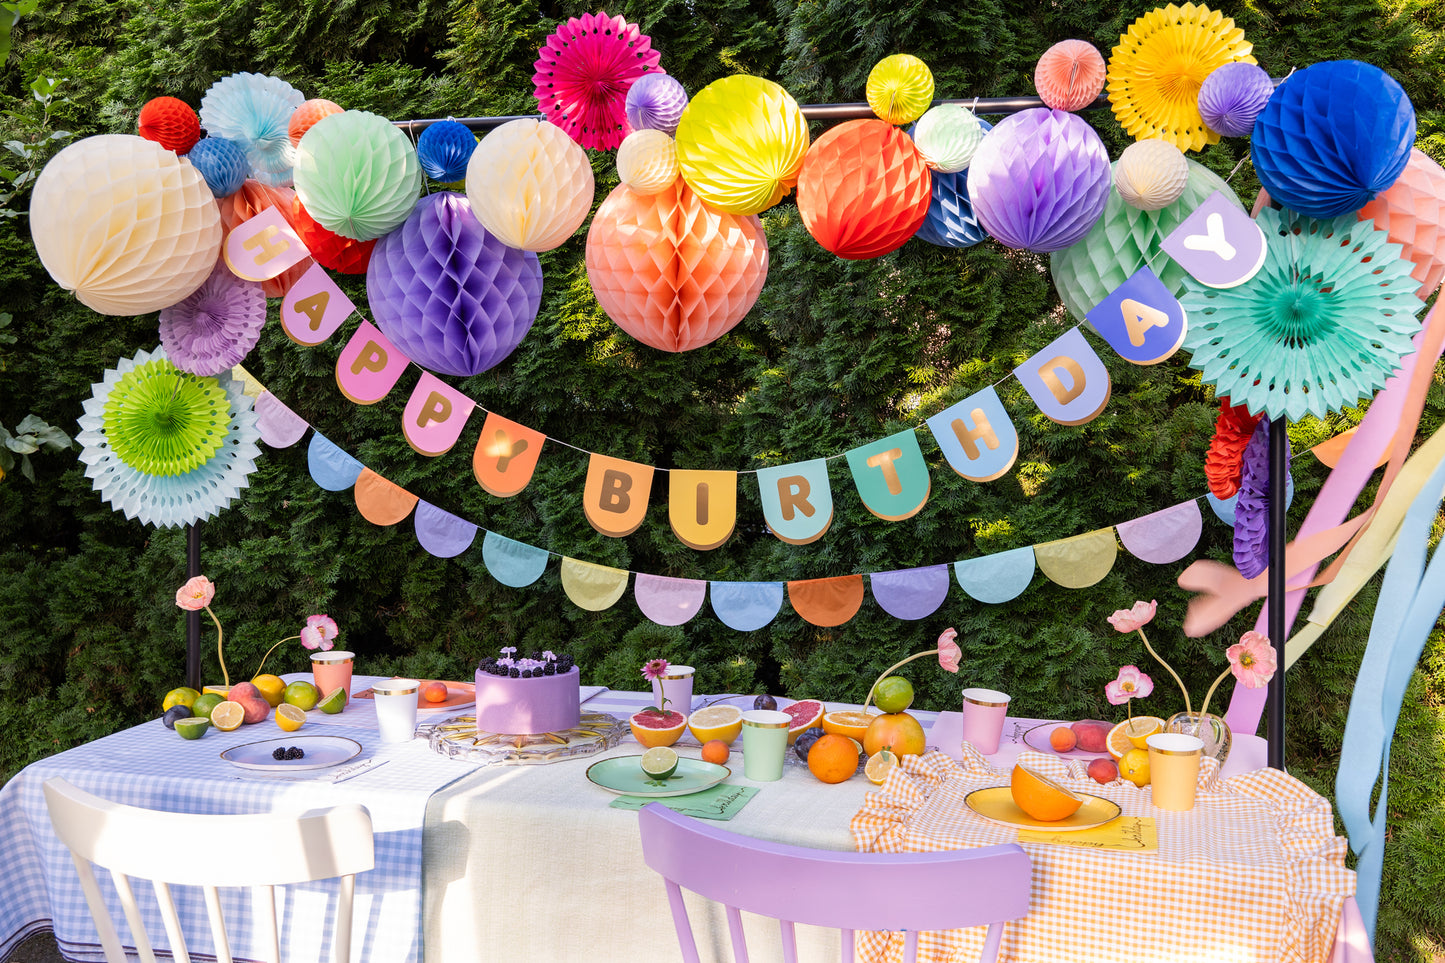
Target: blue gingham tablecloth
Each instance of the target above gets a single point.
(152, 767)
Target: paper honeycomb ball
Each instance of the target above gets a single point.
(863, 190)
(647, 161)
(670, 271)
(1332, 137)
(330, 249)
(740, 144)
(1151, 174)
(655, 102)
(221, 162)
(947, 136)
(253, 198)
(444, 150)
(951, 221)
(1070, 75)
(1231, 98)
(450, 296)
(1127, 238)
(170, 122)
(1039, 180)
(583, 73)
(305, 117)
(1412, 213)
(254, 110)
(900, 88)
(530, 184)
(357, 174)
(124, 223)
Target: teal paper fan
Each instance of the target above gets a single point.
(1125, 239)
(1322, 325)
(357, 174)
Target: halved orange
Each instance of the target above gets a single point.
(1041, 797)
(847, 722)
(1122, 737)
(716, 722)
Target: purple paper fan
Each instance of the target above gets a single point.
(1232, 96)
(448, 294)
(656, 102)
(214, 328)
(1251, 510)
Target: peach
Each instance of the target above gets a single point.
(1092, 736)
(1063, 739)
(1103, 770)
(434, 692)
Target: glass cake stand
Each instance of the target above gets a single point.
(458, 738)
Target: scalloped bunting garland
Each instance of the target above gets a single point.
(998, 578)
(380, 501)
(592, 587)
(746, 606)
(826, 602)
(666, 600)
(331, 468)
(1079, 560)
(515, 564)
(441, 533)
(280, 427)
(1163, 536)
(910, 594)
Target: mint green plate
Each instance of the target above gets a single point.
(624, 776)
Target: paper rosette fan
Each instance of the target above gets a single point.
(655, 102)
(1127, 238)
(216, 326)
(330, 250)
(357, 174)
(899, 89)
(583, 73)
(671, 272)
(530, 184)
(255, 111)
(947, 136)
(1411, 213)
(1156, 70)
(951, 221)
(449, 295)
(1322, 325)
(1225, 457)
(166, 447)
(863, 190)
(124, 223)
(444, 149)
(1070, 75)
(1231, 98)
(741, 143)
(253, 198)
(1039, 180)
(1332, 137)
(169, 122)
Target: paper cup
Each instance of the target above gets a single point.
(396, 708)
(675, 685)
(332, 669)
(765, 740)
(984, 711)
(1174, 769)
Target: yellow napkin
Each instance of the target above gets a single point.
(1137, 833)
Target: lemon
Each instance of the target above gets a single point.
(1134, 766)
(271, 688)
(880, 764)
(183, 696)
(659, 762)
(302, 695)
(289, 718)
(334, 702)
(893, 694)
(228, 716)
(192, 728)
(202, 707)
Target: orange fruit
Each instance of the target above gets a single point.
(1122, 738)
(833, 758)
(715, 751)
(847, 722)
(806, 714)
(898, 731)
(880, 764)
(657, 729)
(723, 723)
(1041, 797)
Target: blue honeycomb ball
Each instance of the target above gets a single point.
(444, 150)
(222, 163)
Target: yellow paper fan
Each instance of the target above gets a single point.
(1163, 58)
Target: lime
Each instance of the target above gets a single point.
(271, 688)
(301, 694)
(228, 716)
(203, 705)
(894, 694)
(289, 718)
(182, 696)
(334, 702)
(192, 728)
(659, 762)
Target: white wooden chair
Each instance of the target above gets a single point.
(170, 849)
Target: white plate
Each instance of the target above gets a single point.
(322, 752)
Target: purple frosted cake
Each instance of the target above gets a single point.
(537, 693)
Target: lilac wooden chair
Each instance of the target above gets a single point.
(818, 887)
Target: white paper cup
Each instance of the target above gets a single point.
(396, 708)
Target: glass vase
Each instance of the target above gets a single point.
(1216, 736)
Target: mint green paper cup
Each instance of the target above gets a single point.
(765, 740)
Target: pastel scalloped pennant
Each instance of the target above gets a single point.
(745, 606)
(442, 533)
(912, 593)
(280, 426)
(997, 578)
(1163, 536)
(592, 587)
(380, 501)
(1080, 560)
(331, 468)
(511, 562)
(827, 602)
(669, 601)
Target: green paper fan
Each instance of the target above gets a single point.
(1322, 325)
(1125, 239)
(357, 174)
(162, 421)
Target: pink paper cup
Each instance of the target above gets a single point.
(984, 711)
(332, 669)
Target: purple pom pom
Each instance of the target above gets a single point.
(1251, 510)
(1232, 96)
(655, 102)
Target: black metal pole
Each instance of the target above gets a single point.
(1274, 700)
(193, 619)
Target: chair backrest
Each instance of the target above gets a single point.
(846, 891)
(166, 848)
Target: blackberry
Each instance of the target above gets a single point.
(278, 753)
(295, 752)
(516, 673)
(526, 673)
(551, 669)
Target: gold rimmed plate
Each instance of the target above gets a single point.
(997, 805)
(624, 776)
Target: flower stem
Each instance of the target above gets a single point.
(268, 655)
(899, 665)
(1210, 694)
(1166, 665)
(220, 636)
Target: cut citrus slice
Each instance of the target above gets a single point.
(334, 702)
(806, 714)
(192, 728)
(652, 728)
(1041, 797)
(228, 716)
(716, 722)
(659, 762)
(847, 722)
(288, 717)
(880, 764)
(1122, 737)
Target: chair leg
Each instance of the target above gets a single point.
(991, 942)
(263, 909)
(341, 939)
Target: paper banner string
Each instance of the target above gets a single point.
(668, 601)
(441, 533)
(910, 594)
(1164, 536)
(513, 563)
(592, 587)
(746, 606)
(826, 602)
(1080, 560)
(331, 468)
(381, 502)
(280, 427)
(995, 579)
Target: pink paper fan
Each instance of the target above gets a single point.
(217, 326)
(584, 71)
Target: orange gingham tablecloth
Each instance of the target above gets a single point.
(1254, 873)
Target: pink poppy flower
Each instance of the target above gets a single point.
(949, 654)
(1131, 684)
(320, 632)
(1252, 660)
(654, 669)
(196, 594)
(1131, 620)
